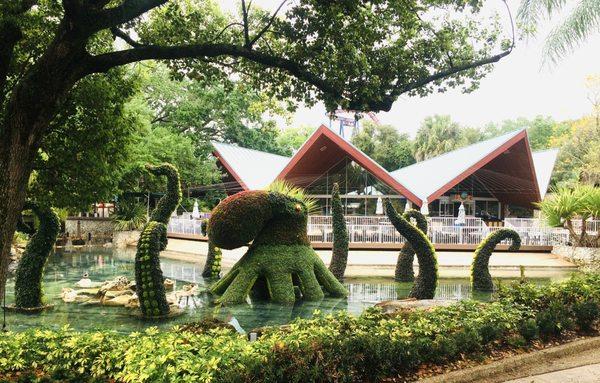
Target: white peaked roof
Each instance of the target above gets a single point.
(544, 165)
(254, 168)
(426, 177)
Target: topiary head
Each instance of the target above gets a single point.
(239, 218)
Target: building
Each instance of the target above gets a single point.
(493, 179)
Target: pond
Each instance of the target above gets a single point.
(65, 268)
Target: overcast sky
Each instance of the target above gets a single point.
(518, 86)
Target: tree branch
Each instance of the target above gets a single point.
(246, 32)
(128, 10)
(268, 25)
(125, 37)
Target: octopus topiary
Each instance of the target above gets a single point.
(426, 282)
(280, 260)
(212, 267)
(339, 258)
(28, 281)
(404, 265)
(481, 279)
(148, 274)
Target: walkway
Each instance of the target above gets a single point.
(381, 263)
(584, 374)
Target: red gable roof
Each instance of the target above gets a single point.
(323, 150)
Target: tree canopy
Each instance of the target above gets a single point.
(383, 143)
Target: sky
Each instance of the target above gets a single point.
(518, 86)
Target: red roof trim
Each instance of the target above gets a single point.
(484, 161)
(354, 153)
(230, 169)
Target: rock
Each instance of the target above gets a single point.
(69, 295)
(108, 245)
(89, 292)
(84, 282)
(403, 305)
(133, 302)
(117, 284)
(120, 300)
(113, 293)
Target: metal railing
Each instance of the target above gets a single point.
(380, 230)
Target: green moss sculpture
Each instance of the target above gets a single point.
(339, 257)
(481, 279)
(404, 266)
(280, 259)
(153, 239)
(426, 282)
(28, 281)
(212, 267)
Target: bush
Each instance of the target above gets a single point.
(326, 348)
(129, 215)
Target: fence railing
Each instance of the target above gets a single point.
(380, 230)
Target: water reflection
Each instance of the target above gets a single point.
(66, 268)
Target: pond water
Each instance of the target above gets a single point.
(65, 268)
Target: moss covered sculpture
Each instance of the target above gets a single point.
(339, 257)
(404, 266)
(28, 279)
(426, 282)
(280, 257)
(212, 267)
(481, 279)
(148, 275)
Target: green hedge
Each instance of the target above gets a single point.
(327, 348)
(481, 279)
(280, 257)
(29, 273)
(404, 266)
(339, 257)
(426, 282)
(153, 239)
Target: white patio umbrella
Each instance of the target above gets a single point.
(195, 210)
(408, 205)
(425, 207)
(379, 208)
(462, 218)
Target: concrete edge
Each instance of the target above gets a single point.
(496, 371)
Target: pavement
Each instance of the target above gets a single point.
(376, 263)
(583, 374)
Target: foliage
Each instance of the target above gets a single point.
(329, 348)
(481, 278)
(291, 139)
(212, 267)
(153, 239)
(404, 265)
(280, 256)
(437, 135)
(28, 278)
(582, 21)
(339, 257)
(288, 189)
(129, 215)
(564, 205)
(426, 282)
(385, 145)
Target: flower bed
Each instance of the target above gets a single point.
(336, 348)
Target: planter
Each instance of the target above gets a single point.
(585, 257)
(122, 239)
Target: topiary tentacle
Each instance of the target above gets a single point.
(330, 284)
(404, 266)
(281, 288)
(426, 281)
(168, 202)
(28, 281)
(481, 279)
(309, 285)
(339, 257)
(153, 239)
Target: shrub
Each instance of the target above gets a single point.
(404, 266)
(30, 270)
(481, 279)
(426, 282)
(129, 215)
(339, 257)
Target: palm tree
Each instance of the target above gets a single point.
(582, 19)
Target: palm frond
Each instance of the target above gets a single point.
(578, 26)
(284, 187)
(530, 12)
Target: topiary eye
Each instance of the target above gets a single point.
(298, 207)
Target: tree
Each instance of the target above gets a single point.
(385, 145)
(582, 21)
(541, 130)
(437, 135)
(355, 55)
(291, 139)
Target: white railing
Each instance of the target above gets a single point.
(377, 229)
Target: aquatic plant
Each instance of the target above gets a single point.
(426, 282)
(339, 257)
(481, 279)
(28, 278)
(404, 266)
(153, 239)
(280, 257)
